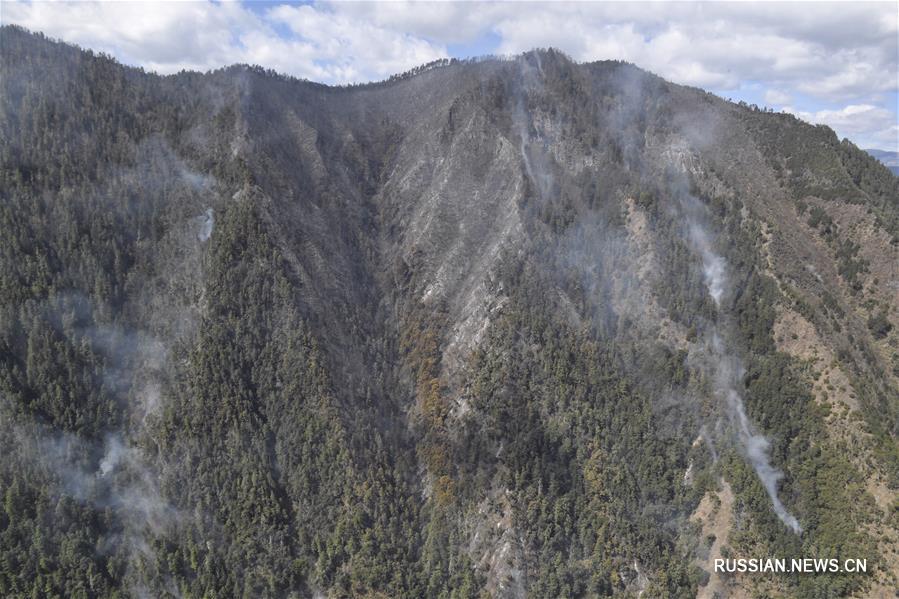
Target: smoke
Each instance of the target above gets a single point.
(707, 439)
(757, 452)
(205, 225)
(531, 83)
(718, 360)
(713, 265)
(114, 454)
(610, 272)
(119, 480)
(727, 371)
(109, 473)
(110, 476)
(133, 492)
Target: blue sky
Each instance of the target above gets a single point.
(827, 62)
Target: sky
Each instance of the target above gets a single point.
(827, 62)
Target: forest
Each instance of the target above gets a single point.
(485, 329)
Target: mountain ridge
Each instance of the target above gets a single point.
(888, 159)
(385, 341)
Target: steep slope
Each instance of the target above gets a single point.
(514, 327)
(889, 159)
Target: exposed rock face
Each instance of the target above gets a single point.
(438, 336)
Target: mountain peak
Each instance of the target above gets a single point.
(502, 327)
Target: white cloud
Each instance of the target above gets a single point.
(867, 125)
(445, 22)
(835, 51)
(356, 50)
(170, 36)
(166, 36)
(775, 97)
(828, 53)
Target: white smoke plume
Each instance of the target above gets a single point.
(535, 163)
(727, 375)
(134, 492)
(707, 439)
(713, 265)
(120, 483)
(755, 446)
(112, 474)
(205, 224)
(725, 367)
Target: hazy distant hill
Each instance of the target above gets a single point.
(518, 327)
(890, 159)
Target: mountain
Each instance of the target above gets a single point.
(889, 159)
(499, 327)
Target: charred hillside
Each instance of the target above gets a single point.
(517, 327)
